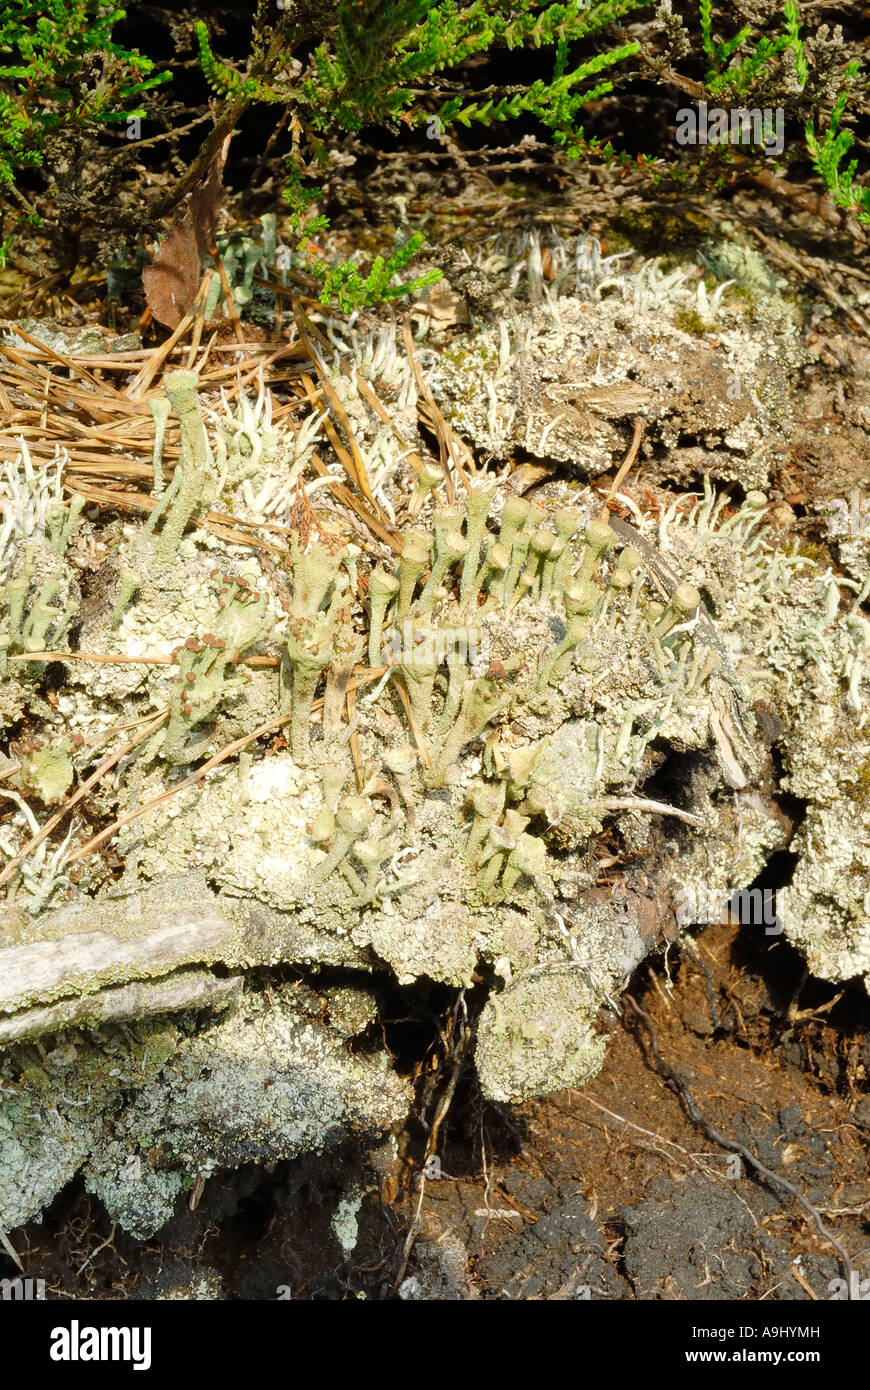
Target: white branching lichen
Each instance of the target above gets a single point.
(450, 719)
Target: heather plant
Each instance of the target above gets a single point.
(398, 61)
(746, 68)
(405, 63)
(62, 77)
(829, 152)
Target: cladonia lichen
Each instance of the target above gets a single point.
(394, 751)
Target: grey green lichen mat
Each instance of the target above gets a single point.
(328, 753)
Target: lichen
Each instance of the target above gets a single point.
(145, 1120)
(555, 376)
(433, 726)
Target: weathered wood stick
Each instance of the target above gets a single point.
(105, 958)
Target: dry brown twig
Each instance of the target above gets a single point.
(459, 1052)
(447, 442)
(624, 467)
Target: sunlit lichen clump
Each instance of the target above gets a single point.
(391, 734)
(487, 654)
(456, 720)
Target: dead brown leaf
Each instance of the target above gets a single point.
(205, 201)
(172, 278)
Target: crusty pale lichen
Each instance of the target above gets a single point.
(457, 723)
